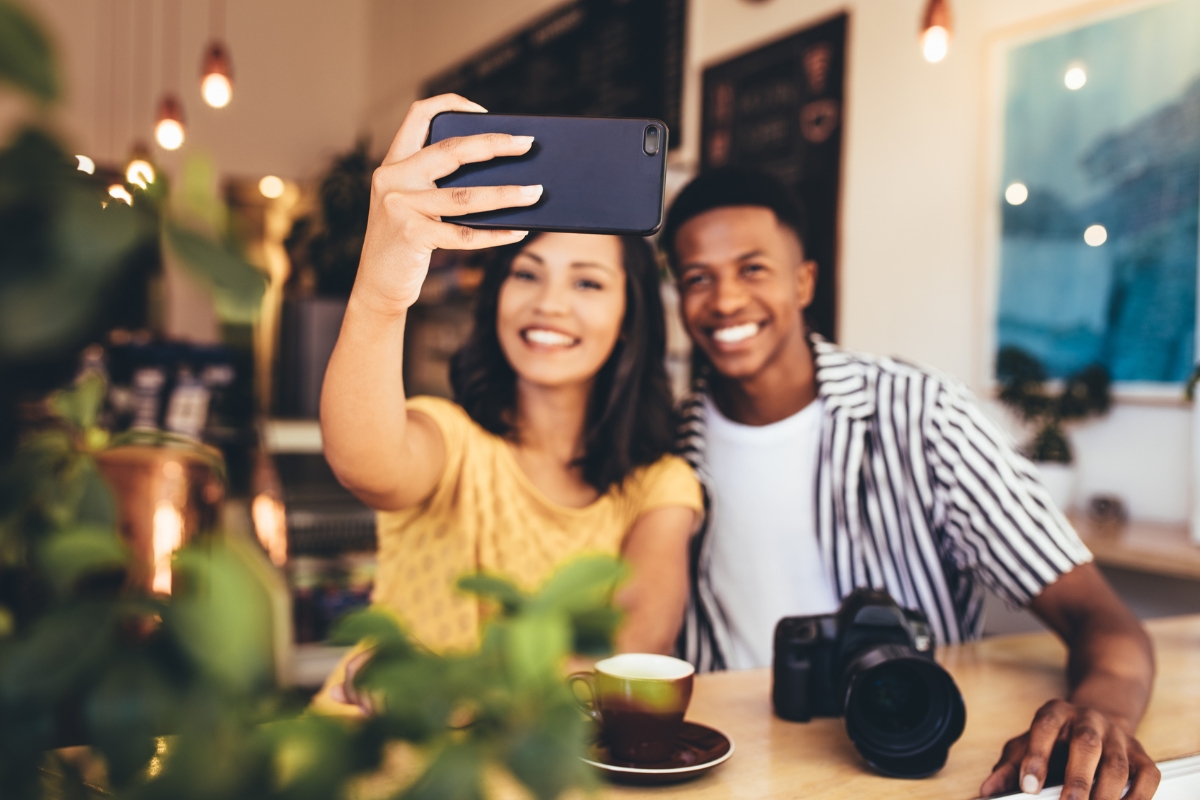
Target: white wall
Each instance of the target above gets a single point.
(300, 79)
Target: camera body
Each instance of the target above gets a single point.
(872, 663)
(811, 653)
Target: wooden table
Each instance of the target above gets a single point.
(1156, 548)
(1003, 680)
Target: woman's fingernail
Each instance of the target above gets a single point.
(479, 108)
(1029, 784)
(532, 191)
(524, 140)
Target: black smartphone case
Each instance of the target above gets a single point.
(595, 175)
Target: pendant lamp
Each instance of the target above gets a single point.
(168, 130)
(216, 68)
(216, 82)
(935, 30)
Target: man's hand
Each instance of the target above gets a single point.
(1110, 669)
(1101, 755)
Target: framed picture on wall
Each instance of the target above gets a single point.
(778, 109)
(1094, 198)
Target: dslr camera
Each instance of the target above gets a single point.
(872, 663)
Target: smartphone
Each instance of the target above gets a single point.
(599, 175)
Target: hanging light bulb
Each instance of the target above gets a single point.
(935, 31)
(168, 131)
(139, 171)
(216, 71)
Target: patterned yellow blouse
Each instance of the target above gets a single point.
(485, 514)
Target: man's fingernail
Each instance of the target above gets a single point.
(523, 140)
(1029, 784)
(532, 191)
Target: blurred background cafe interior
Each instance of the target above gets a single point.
(1007, 191)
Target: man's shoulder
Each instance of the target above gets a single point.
(835, 363)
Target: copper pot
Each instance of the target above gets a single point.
(165, 497)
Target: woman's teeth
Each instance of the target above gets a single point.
(548, 338)
(735, 333)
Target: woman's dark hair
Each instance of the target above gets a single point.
(630, 421)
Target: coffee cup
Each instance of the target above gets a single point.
(638, 700)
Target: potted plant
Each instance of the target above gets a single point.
(1047, 407)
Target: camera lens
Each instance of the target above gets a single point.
(893, 698)
(902, 711)
(651, 140)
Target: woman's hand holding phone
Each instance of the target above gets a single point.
(405, 227)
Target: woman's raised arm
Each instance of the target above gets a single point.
(389, 459)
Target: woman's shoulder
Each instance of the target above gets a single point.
(452, 420)
(669, 481)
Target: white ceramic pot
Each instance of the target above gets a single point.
(1059, 480)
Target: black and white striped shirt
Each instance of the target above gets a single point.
(917, 492)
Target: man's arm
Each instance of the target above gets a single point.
(1110, 672)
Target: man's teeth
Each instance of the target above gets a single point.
(550, 338)
(736, 333)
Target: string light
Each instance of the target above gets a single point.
(935, 31)
(86, 165)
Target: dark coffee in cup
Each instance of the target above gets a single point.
(639, 700)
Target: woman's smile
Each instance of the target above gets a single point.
(542, 338)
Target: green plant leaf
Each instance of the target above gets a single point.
(547, 758)
(499, 589)
(454, 775)
(374, 624)
(130, 706)
(222, 615)
(579, 585)
(70, 554)
(63, 646)
(26, 57)
(536, 645)
(236, 286)
(80, 405)
(53, 274)
(594, 629)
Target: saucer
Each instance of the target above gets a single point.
(698, 748)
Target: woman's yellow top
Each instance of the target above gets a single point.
(486, 515)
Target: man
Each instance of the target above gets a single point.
(828, 470)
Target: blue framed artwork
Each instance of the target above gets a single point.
(1099, 195)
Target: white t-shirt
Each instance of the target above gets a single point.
(766, 563)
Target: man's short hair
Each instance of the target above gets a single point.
(730, 186)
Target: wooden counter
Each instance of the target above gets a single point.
(1003, 680)
(1156, 548)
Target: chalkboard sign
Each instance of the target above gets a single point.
(603, 58)
(779, 109)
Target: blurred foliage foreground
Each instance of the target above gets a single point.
(175, 693)
(174, 696)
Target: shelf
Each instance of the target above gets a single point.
(1155, 548)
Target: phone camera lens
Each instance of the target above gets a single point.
(651, 140)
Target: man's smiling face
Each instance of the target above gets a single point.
(744, 285)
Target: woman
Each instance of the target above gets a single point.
(559, 442)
